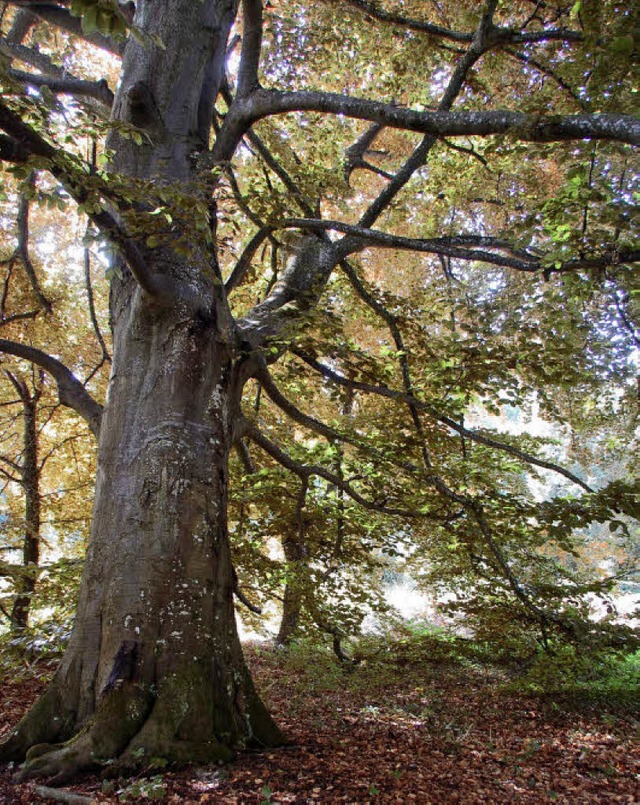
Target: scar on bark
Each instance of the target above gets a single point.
(125, 665)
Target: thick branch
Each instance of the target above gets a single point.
(71, 392)
(295, 292)
(60, 17)
(98, 90)
(520, 126)
(251, 45)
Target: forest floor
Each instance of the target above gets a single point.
(388, 733)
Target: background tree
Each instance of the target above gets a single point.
(290, 204)
(46, 459)
(25, 472)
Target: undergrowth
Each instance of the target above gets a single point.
(568, 675)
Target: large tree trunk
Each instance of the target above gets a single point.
(154, 667)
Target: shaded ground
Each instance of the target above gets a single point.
(390, 734)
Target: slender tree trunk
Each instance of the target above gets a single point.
(154, 667)
(30, 483)
(295, 554)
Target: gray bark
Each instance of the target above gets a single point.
(154, 666)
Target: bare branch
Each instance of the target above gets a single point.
(98, 90)
(55, 448)
(329, 433)
(92, 307)
(30, 314)
(70, 390)
(14, 466)
(245, 456)
(354, 155)
(422, 26)
(244, 263)
(10, 477)
(307, 470)
(241, 596)
(23, 244)
(27, 142)
(418, 158)
(524, 58)
(517, 589)
(453, 247)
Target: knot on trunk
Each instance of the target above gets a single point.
(142, 110)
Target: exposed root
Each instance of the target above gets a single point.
(132, 728)
(118, 717)
(59, 765)
(62, 796)
(45, 722)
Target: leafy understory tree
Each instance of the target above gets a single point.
(396, 209)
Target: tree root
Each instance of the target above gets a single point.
(117, 719)
(43, 723)
(59, 764)
(62, 796)
(133, 728)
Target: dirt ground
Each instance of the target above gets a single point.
(426, 734)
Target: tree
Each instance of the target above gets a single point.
(251, 159)
(46, 470)
(26, 473)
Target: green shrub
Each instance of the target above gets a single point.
(582, 677)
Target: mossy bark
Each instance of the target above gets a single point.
(154, 667)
